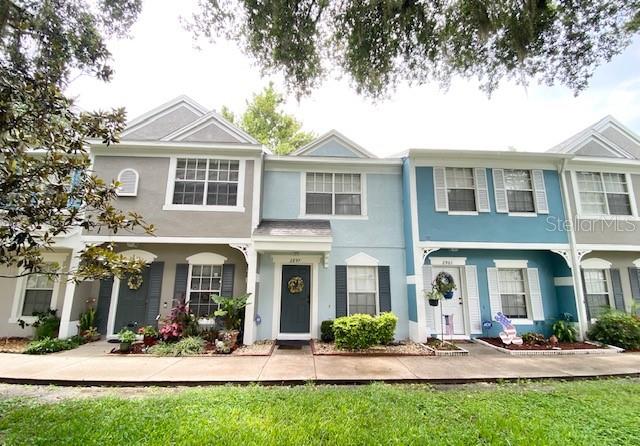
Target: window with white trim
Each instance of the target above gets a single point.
(596, 291)
(362, 290)
(519, 189)
(461, 189)
(206, 181)
(603, 193)
(38, 293)
(206, 281)
(513, 293)
(333, 193)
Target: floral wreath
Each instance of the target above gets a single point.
(295, 285)
(443, 282)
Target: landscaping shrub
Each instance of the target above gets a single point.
(531, 337)
(565, 329)
(617, 328)
(52, 345)
(361, 331)
(386, 327)
(189, 346)
(162, 349)
(326, 331)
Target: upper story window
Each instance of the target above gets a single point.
(513, 293)
(519, 190)
(603, 193)
(205, 183)
(461, 189)
(333, 193)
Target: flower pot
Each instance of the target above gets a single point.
(125, 347)
(230, 337)
(448, 295)
(433, 302)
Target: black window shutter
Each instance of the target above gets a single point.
(384, 289)
(228, 271)
(156, 270)
(634, 277)
(180, 286)
(104, 302)
(616, 285)
(341, 290)
(584, 291)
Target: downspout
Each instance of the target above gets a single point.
(575, 264)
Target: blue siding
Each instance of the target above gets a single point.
(406, 214)
(555, 300)
(490, 226)
(413, 306)
(332, 148)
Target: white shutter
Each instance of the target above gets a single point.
(482, 191)
(495, 301)
(535, 295)
(427, 278)
(500, 191)
(473, 299)
(440, 189)
(128, 180)
(539, 191)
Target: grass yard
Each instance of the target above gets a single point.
(576, 413)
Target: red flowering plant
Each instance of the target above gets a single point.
(180, 323)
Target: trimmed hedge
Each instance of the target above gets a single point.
(326, 331)
(361, 331)
(617, 328)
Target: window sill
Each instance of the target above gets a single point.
(522, 321)
(201, 208)
(463, 213)
(333, 217)
(28, 319)
(522, 214)
(608, 217)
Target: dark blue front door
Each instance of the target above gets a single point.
(295, 299)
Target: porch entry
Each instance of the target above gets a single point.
(295, 303)
(452, 309)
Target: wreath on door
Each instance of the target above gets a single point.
(295, 285)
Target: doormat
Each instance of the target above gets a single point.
(291, 345)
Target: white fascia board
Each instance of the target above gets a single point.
(291, 238)
(165, 240)
(491, 245)
(607, 247)
(604, 164)
(165, 148)
(267, 246)
(341, 165)
(455, 158)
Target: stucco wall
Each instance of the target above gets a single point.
(152, 186)
(488, 226)
(621, 261)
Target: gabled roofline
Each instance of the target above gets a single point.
(351, 145)
(176, 146)
(610, 120)
(416, 152)
(193, 127)
(162, 109)
(332, 160)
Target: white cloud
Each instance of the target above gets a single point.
(160, 62)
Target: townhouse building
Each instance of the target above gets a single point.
(331, 230)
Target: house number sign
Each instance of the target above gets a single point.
(295, 285)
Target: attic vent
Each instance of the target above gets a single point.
(128, 179)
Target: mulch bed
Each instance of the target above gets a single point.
(439, 345)
(259, 348)
(402, 348)
(13, 344)
(543, 347)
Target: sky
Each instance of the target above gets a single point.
(160, 61)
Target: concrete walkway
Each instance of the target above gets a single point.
(90, 365)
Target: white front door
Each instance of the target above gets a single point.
(452, 309)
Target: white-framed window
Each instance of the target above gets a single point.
(204, 281)
(597, 291)
(362, 290)
(128, 179)
(333, 194)
(519, 189)
(461, 189)
(513, 293)
(603, 193)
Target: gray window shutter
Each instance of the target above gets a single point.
(156, 270)
(341, 290)
(228, 271)
(500, 191)
(482, 191)
(616, 286)
(384, 289)
(584, 292)
(104, 303)
(540, 192)
(180, 286)
(440, 189)
(634, 277)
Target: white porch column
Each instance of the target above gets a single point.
(66, 328)
(578, 289)
(250, 309)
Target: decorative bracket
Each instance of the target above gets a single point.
(325, 258)
(426, 252)
(243, 248)
(565, 254)
(581, 253)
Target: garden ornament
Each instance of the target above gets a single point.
(508, 333)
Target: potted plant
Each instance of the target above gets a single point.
(445, 284)
(230, 310)
(126, 338)
(433, 297)
(149, 335)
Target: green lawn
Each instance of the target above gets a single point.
(585, 413)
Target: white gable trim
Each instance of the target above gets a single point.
(205, 120)
(206, 258)
(350, 145)
(608, 145)
(595, 263)
(162, 110)
(362, 259)
(611, 122)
